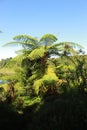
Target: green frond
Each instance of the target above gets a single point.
(13, 44)
(23, 52)
(37, 85)
(18, 59)
(59, 66)
(56, 45)
(54, 49)
(66, 67)
(50, 78)
(37, 53)
(68, 48)
(25, 45)
(48, 38)
(25, 38)
(50, 75)
(33, 77)
(71, 44)
(25, 41)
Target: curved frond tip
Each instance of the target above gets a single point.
(25, 38)
(49, 37)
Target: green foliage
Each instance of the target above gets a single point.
(59, 112)
(48, 39)
(47, 80)
(2, 94)
(50, 93)
(4, 62)
(9, 119)
(34, 67)
(37, 53)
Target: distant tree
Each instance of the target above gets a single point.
(4, 62)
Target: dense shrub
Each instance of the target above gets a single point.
(61, 112)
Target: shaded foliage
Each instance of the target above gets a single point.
(9, 119)
(60, 112)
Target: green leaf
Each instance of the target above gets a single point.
(37, 53)
(48, 39)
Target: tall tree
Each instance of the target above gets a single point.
(36, 54)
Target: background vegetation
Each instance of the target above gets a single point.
(44, 86)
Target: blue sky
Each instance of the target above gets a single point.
(66, 19)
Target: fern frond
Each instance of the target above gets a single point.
(37, 85)
(37, 53)
(48, 37)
